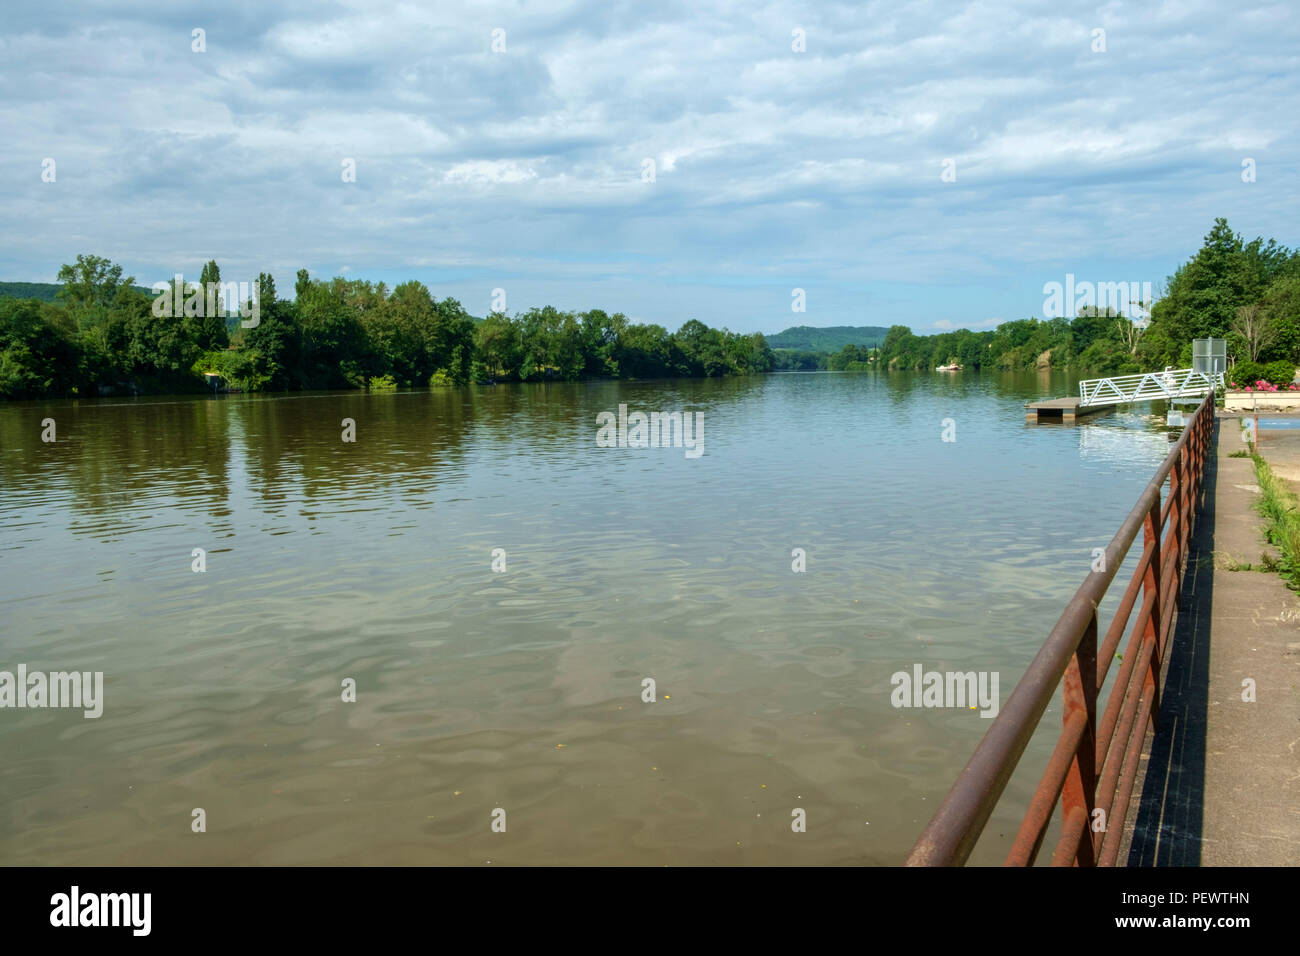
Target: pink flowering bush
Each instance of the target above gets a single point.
(1262, 386)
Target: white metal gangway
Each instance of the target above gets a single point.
(1150, 386)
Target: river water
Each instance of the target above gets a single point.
(521, 690)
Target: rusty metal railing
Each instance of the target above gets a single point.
(1094, 764)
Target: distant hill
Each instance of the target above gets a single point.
(30, 290)
(808, 339)
(45, 291)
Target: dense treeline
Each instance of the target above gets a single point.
(797, 360)
(1089, 342)
(103, 335)
(547, 342)
(851, 358)
(1245, 292)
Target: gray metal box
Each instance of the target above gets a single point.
(1210, 356)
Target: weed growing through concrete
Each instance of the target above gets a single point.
(1280, 509)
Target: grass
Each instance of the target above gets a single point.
(1281, 511)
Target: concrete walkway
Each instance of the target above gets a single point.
(1222, 775)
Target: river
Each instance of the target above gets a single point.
(521, 689)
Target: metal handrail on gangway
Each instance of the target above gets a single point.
(1149, 386)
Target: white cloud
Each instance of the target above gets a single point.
(489, 171)
(819, 170)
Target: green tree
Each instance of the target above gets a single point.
(600, 342)
(210, 330)
(333, 339)
(159, 349)
(276, 343)
(451, 347)
(702, 350)
(643, 352)
(1280, 307)
(497, 342)
(92, 282)
(39, 355)
(265, 289)
(1204, 294)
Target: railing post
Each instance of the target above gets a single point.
(1079, 792)
(1176, 512)
(1151, 586)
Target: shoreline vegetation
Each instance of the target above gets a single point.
(102, 335)
(1280, 509)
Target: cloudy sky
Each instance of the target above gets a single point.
(519, 159)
